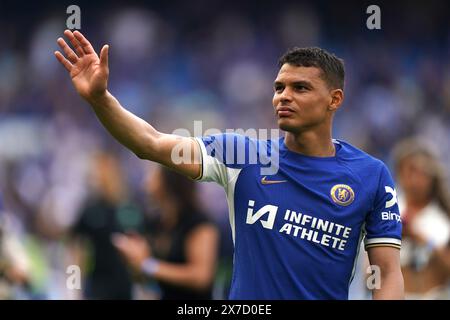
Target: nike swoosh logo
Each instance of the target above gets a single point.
(264, 181)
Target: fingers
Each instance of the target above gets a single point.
(104, 56)
(66, 63)
(85, 44)
(79, 50)
(117, 237)
(120, 242)
(71, 56)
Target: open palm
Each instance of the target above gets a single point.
(89, 73)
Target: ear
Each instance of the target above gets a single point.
(337, 97)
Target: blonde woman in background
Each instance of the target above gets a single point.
(425, 210)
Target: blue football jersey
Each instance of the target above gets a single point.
(297, 229)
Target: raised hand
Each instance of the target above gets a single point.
(89, 73)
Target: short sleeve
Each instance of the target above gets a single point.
(383, 225)
(224, 155)
(211, 168)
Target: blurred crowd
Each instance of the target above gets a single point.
(176, 62)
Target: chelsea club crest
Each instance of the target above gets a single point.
(342, 194)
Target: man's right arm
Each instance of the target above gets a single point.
(144, 140)
(89, 74)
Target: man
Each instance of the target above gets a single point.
(296, 233)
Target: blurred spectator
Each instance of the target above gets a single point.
(425, 210)
(182, 254)
(108, 210)
(14, 262)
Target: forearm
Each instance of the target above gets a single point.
(130, 130)
(189, 276)
(391, 288)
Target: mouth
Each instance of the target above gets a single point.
(284, 111)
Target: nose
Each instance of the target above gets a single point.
(285, 95)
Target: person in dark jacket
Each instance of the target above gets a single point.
(181, 253)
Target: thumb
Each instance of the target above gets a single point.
(119, 241)
(104, 56)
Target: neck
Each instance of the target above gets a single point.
(169, 214)
(311, 143)
(113, 197)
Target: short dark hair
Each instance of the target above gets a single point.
(331, 66)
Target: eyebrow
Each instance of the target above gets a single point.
(295, 83)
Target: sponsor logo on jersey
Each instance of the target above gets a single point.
(392, 216)
(342, 194)
(304, 227)
(270, 210)
(265, 181)
(393, 193)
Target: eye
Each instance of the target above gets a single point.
(300, 87)
(278, 88)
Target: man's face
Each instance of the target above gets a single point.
(301, 99)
